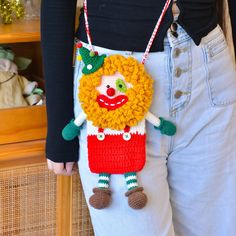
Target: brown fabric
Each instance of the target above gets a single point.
(101, 198)
(136, 198)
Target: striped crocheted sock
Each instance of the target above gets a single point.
(131, 180)
(103, 181)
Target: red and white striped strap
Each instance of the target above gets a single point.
(87, 25)
(154, 33)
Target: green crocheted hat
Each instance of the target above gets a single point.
(92, 61)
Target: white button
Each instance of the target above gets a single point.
(89, 67)
(100, 136)
(126, 136)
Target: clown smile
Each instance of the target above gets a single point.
(111, 103)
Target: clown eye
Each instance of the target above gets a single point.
(121, 86)
(108, 86)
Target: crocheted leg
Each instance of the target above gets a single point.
(102, 195)
(104, 180)
(136, 198)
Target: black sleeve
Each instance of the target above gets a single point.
(232, 9)
(57, 39)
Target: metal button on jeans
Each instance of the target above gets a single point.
(176, 52)
(178, 94)
(178, 72)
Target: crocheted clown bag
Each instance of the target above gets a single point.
(115, 93)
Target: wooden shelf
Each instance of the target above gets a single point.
(24, 153)
(22, 124)
(20, 31)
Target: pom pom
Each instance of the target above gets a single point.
(89, 67)
(79, 58)
(79, 45)
(91, 54)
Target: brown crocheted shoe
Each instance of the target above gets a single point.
(101, 198)
(136, 198)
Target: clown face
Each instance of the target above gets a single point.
(117, 95)
(113, 91)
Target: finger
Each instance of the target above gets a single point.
(50, 165)
(72, 170)
(75, 167)
(69, 167)
(59, 169)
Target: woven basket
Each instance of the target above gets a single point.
(28, 203)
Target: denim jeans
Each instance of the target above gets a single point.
(189, 178)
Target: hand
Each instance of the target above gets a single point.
(70, 131)
(166, 127)
(68, 168)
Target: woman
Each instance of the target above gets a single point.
(189, 179)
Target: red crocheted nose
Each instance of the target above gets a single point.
(111, 92)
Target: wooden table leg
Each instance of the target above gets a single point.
(64, 206)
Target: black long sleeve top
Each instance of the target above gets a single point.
(128, 25)
(115, 24)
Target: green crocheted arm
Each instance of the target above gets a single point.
(166, 127)
(72, 129)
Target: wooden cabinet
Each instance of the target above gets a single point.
(33, 200)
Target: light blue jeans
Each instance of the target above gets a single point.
(190, 179)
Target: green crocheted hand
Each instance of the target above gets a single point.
(166, 127)
(70, 131)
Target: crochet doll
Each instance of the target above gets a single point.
(16, 90)
(115, 93)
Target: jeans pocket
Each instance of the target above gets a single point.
(221, 75)
(216, 46)
(220, 68)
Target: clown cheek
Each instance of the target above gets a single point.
(110, 81)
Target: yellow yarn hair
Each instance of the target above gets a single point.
(139, 96)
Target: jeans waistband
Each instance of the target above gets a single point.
(180, 35)
(169, 41)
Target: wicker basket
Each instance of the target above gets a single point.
(28, 203)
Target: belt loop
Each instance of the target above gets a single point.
(128, 53)
(170, 38)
